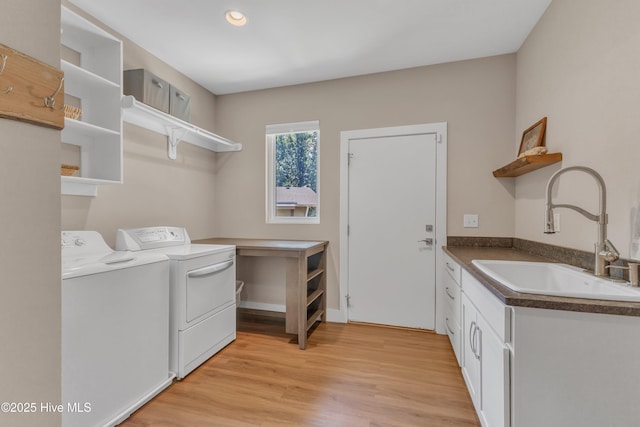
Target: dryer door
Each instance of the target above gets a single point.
(210, 287)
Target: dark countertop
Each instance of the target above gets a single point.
(464, 255)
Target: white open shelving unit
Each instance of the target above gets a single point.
(94, 77)
(177, 130)
(92, 64)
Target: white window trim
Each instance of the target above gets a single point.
(271, 131)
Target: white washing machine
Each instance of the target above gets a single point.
(115, 330)
(203, 303)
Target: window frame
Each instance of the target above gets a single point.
(271, 131)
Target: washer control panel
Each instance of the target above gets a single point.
(75, 243)
(136, 239)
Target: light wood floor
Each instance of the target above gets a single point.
(350, 375)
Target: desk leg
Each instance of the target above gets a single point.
(296, 298)
(302, 301)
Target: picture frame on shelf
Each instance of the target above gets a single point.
(533, 136)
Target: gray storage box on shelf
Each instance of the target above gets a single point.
(179, 104)
(147, 88)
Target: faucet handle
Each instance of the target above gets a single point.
(609, 253)
(611, 246)
(633, 273)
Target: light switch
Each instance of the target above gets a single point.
(471, 221)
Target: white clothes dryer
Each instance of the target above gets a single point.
(115, 330)
(203, 303)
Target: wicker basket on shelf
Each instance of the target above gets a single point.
(69, 170)
(72, 112)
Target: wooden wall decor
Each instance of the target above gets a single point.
(30, 90)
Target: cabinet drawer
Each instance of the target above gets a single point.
(492, 309)
(452, 268)
(147, 88)
(455, 335)
(452, 296)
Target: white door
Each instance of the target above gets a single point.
(392, 219)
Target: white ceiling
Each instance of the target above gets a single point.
(288, 42)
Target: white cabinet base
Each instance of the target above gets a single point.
(575, 369)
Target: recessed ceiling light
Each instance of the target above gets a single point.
(235, 17)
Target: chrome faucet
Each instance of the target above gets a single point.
(604, 249)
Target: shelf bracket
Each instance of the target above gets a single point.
(175, 135)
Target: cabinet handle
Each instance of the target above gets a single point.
(449, 267)
(473, 339)
(471, 336)
(156, 83)
(479, 345)
(446, 322)
(448, 294)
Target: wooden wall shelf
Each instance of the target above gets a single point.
(527, 164)
(30, 90)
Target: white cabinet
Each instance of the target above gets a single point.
(574, 369)
(452, 318)
(485, 358)
(494, 376)
(530, 367)
(470, 354)
(92, 64)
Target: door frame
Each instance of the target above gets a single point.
(440, 236)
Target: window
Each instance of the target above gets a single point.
(293, 178)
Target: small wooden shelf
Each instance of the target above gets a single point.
(315, 273)
(527, 164)
(314, 296)
(313, 318)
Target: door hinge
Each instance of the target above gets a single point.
(349, 157)
(348, 229)
(348, 298)
(439, 138)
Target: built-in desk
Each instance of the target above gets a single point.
(306, 278)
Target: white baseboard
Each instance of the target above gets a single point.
(335, 316)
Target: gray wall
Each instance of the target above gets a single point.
(580, 67)
(30, 229)
(156, 190)
(476, 98)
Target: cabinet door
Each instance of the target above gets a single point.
(494, 376)
(452, 314)
(470, 357)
